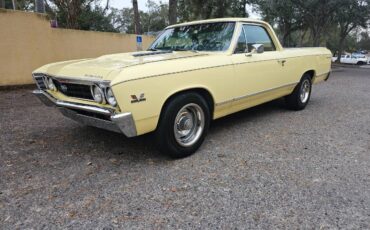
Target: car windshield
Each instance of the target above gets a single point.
(200, 37)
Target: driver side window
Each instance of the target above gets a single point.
(258, 35)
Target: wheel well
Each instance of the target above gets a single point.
(311, 74)
(201, 91)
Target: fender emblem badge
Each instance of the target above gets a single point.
(137, 99)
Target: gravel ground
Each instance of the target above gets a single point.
(264, 168)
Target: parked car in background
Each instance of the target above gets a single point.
(355, 59)
(362, 57)
(192, 74)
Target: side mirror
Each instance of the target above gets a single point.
(257, 49)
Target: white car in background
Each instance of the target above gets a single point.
(352, 59)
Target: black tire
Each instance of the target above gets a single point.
(294, 101)
(360, 63)
(166, 140)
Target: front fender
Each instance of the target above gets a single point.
(151, 95)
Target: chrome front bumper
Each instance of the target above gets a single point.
(91, 115)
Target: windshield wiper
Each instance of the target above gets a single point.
(181, 49)
(161, 50)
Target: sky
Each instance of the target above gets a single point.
(119, 4)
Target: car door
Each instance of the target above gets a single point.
(347, 60)
(256, 74)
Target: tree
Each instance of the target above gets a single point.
(204, 9)
(283, 13)
(350, 15)
(122, 20)
(80, 14)
(318, 15)
(239, 8)
(136, 17)
(172, 11)
(67, 12)
(364, 43)
(156, 18)
(39, 6)
(27, 5)
(96, 19)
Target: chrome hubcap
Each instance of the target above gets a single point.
(305, 91)
(189, 124)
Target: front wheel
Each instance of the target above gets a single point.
(301, 94)
(183, 125)
(360, 63)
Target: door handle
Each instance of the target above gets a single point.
(282, 62)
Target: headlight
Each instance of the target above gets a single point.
(98, 94)
(46, 81)
(51, 84)
(110, 97)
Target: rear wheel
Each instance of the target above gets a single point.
(183, 125)
(301, 94)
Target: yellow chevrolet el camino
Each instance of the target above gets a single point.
(192, 74)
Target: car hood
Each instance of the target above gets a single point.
(107, 66)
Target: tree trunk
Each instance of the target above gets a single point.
(172, 11)
(286, 38)
(74, 10)
(302, 36)
(2, 3)
(316, 39)
(245, 14)
(39, 6)
(340, 51)
(136, 17)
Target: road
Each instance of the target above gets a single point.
(265, 168)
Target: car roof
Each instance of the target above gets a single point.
(219, 20)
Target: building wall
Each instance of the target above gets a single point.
(27, 42)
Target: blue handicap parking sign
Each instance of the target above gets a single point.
(139, 39)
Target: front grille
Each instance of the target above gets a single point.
(40, 82)
(77, 90)
(74, 90)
